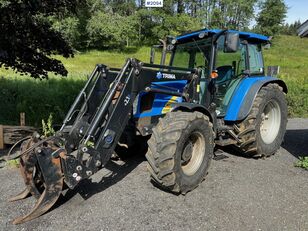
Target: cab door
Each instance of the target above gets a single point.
(230, 67)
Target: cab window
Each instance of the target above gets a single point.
(256, 65)
(192, 54)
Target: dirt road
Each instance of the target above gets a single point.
(238, 194)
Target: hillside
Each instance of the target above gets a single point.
(291, 54)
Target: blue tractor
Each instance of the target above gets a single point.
(213, 92)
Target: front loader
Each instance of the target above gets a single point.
(213, 92)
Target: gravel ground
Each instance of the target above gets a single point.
(238, 194)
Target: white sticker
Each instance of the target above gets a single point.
(168, 76)
(154, 3)
(126, 100)
(160, 75)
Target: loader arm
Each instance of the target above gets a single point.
(109, 120)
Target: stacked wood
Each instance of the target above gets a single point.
(12, 134)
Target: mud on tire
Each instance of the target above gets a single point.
(262, 132)
(180, 151)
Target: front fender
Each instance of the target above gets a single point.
(245, 94)
(191, 107)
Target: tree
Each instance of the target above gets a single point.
(291, 29)
(27, 38)
(73, 25)
(271, 17)
(227, 13)
(69, 28)
(122, 7)
(36, 29)
(175, 25)
(108, 30)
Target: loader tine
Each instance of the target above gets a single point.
(24, 194)
(53, 181)
(30, 186)
(48, 198)
(27, 165)
(27, 173)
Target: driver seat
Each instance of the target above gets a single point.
(224, 73)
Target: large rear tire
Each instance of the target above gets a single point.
(180, 151)
(262, 132)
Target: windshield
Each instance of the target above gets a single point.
(192, 54)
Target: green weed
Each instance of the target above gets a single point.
(47, 127)
(12, 163)
(303, 162)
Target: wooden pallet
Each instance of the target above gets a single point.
(11, 134)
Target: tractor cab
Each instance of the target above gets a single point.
(224, 58)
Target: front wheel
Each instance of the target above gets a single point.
(180, 151)
(262, 132)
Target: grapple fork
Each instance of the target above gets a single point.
(40, 170)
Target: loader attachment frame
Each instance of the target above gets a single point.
(92, 129)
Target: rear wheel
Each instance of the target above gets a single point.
(262, 132)
(180, 151)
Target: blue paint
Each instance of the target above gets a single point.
(239, 95)
(244, 35)
(160, 100)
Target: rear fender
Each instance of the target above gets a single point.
(245, 94)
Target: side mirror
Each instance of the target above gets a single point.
(232, 42)
(152, 55)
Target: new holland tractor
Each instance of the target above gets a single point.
(213, 92)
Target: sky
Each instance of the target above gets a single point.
(298, 9)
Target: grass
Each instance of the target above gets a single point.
(39, 98)
(83, 63)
